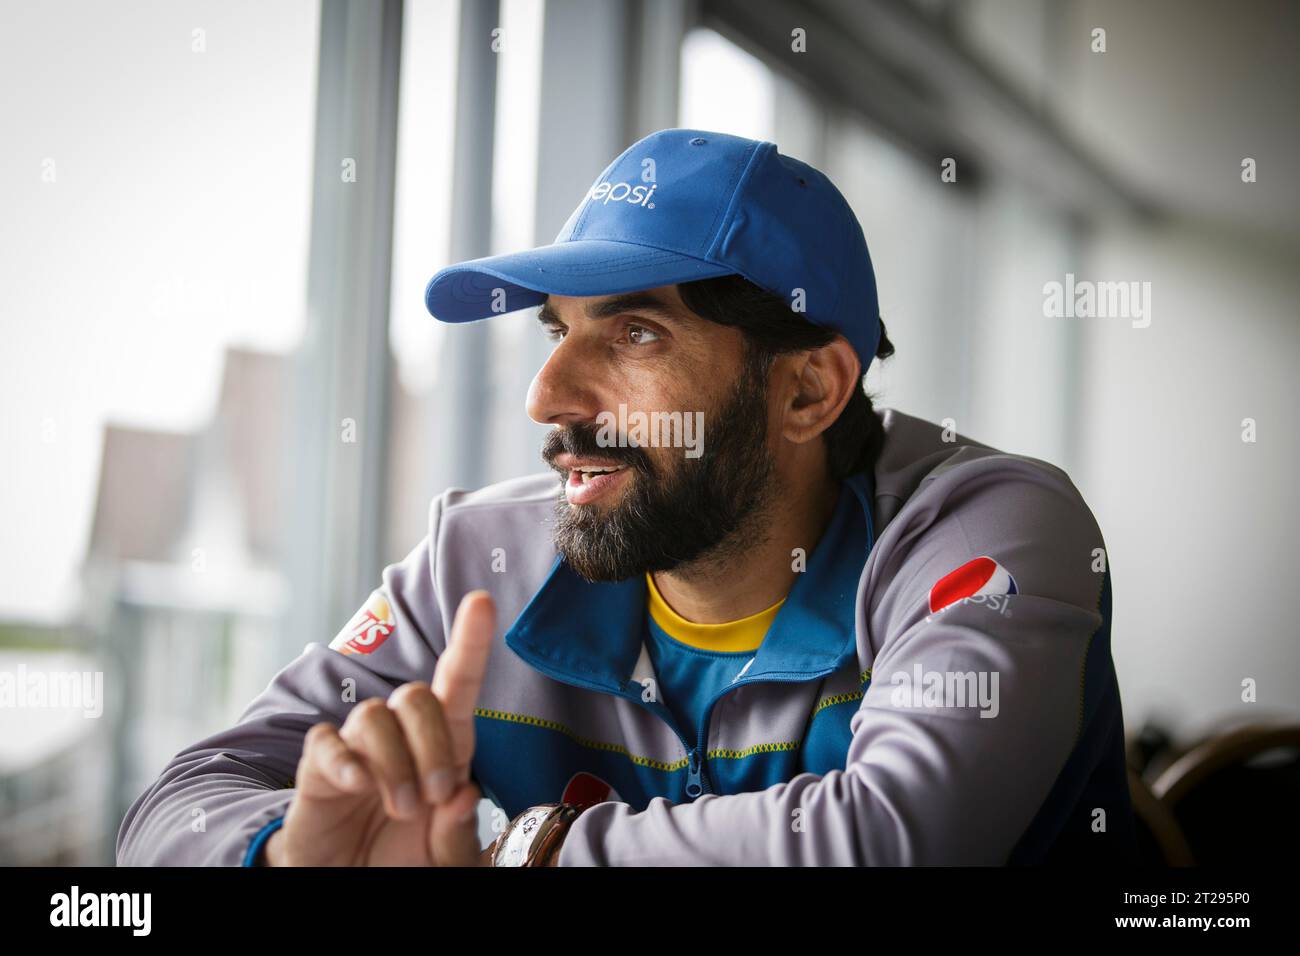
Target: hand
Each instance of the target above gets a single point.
(391, 787)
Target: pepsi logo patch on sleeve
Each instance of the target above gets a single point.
(369, 627)
(977, 577)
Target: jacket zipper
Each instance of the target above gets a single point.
(693, 784)
(693, 775)
(701, 753)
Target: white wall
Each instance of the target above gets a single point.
(1202, 528)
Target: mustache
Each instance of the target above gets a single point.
(581, 439)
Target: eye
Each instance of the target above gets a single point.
(638, 333)
(553, 332)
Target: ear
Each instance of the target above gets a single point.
(824, 380)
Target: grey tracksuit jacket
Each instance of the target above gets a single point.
(940, 691)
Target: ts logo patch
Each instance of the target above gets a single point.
(369, 627)
(586, 790)
(976, 578)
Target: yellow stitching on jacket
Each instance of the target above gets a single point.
(756, 749)
(837, 699)
(583, 741)
(863, 678)
(660, 764)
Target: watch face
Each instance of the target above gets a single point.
(519, 838)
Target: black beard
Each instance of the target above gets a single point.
(707, 509)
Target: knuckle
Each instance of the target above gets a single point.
(318, 740)
(368, 712)
(412, 694)
(318, 732)
(362, 720)
(380, 736)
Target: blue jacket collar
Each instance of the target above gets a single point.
(590, 634)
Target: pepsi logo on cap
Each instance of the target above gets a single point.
(977, 577)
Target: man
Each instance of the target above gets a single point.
(755, 622)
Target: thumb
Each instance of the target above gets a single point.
(453, 829)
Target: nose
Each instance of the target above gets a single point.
(562, 392)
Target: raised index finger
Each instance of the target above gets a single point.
(458, 676)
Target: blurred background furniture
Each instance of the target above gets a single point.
(1229, 799)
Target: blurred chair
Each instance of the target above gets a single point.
(1160, 839)
(1233, 797)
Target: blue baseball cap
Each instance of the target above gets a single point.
(686, 204)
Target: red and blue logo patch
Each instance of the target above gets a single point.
(587, 790)
(976, 578)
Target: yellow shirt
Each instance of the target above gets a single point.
(745, 634)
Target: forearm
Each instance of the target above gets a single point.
(198, 822)
(917, 789)
(807, 821)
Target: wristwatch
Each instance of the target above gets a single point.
(533, 837)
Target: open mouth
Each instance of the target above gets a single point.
(585, 475)
(589, 482)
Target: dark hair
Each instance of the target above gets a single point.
(771, 328)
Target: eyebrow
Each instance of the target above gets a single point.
(628, 302)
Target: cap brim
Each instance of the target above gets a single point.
(481, 288)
